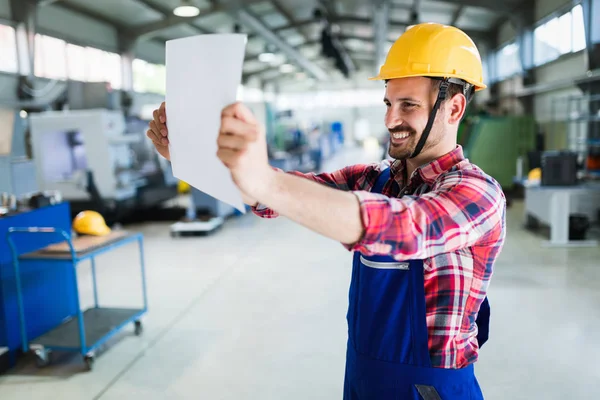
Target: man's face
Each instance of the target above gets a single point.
(409, 102)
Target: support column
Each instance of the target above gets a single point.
(523, 23)
(127, 50)
(24, 12)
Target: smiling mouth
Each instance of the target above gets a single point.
(400, 136)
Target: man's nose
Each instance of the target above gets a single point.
(392, 120)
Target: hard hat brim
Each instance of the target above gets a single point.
(382, 77)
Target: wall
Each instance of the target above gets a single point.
(506, 33)
(545, 7)
(509, 103)
(557, 73)
(76, 28)
(564, 69)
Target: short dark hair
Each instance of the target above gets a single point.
(453, 90)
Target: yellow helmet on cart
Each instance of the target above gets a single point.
(90, 223)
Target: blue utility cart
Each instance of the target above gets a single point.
(85, 331)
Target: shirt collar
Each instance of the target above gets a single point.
(430, 171)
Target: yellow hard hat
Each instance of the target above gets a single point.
(90, 223)
(535, 174)
(434, 50)
(183, 187)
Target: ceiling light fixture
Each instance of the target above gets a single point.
(267, 57)
(186, 9)
(286, 68)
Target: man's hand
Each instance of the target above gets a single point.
(158, 132)
(242, 147)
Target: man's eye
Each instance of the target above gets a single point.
(408, 106)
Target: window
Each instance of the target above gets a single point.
(88, 64)
(558, 36)
(95, 61)
(564, 43)
(578, 29)
(8, 49)
(508, 61)
(76, 63)
(151, 78)
(546, 42)
(50, 57)
(113, 70)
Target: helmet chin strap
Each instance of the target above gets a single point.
(440, 97)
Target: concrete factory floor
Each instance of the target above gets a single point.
(257, 311)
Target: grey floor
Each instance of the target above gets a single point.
(257, 311)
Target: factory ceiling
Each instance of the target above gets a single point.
(320, 40)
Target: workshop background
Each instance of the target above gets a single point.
(187, 298)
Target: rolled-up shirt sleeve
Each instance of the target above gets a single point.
(464, 208)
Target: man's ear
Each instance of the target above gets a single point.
(457, 106)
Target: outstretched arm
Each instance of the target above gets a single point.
(465, 209)
(345, 179)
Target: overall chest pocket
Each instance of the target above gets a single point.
(383, 311)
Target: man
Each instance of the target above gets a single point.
(425, 228)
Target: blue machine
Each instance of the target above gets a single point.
(43, 307)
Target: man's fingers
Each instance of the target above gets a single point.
(158, 136)
(240, 111)
(162, 114)
(161, 128)
(232, 142)
(152, 137)
(236, 127)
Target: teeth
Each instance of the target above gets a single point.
(400, 135)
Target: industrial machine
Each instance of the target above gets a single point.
(17, 170)
(99, 161)
(496, 143)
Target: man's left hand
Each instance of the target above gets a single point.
(242, 147)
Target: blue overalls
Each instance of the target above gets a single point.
(388, 356)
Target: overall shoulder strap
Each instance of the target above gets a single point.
(383, 177)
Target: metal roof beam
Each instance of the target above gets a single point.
(485, 35)
(169, 21)
(291, 20)
(503, 7)
(76, 8)
(251, 21)
(248, 75)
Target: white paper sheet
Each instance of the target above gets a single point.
(203, 76)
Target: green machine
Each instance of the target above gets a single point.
(496, 143)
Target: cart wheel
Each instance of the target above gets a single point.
(89, 362)
(138, 328)
(42, 358)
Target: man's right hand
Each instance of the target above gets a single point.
(158, 132)
(159, 135)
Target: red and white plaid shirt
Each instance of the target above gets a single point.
(452, 216)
